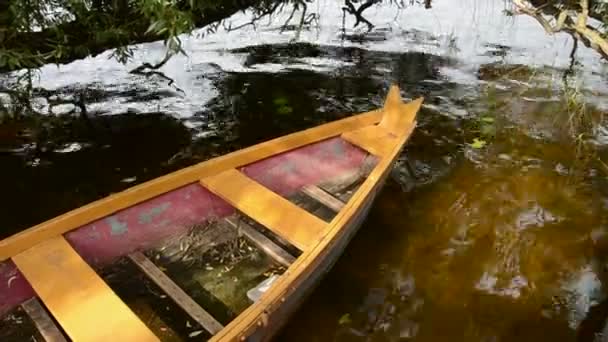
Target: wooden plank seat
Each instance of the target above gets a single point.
(83, 304)
(374, 139)
(282, 217)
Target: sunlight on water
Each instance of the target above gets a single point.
(502, 243)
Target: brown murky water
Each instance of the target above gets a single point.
(499, 243)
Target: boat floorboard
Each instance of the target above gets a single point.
(268, 246)
(178, 295)
(64, 281)
(44, 323)
(323, 197)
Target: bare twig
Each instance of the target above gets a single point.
(255, 19)
(141, 70)
(349, 7)
(579, 28)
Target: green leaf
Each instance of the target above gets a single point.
(284, 110)
(345, 319)
(280, 101)
(478, 143)
(487, 119)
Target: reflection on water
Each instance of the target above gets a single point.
(503, 243)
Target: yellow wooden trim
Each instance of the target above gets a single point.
(253, 317)
(83, 304)
(113, 203)
(374, 139)
(284, 218)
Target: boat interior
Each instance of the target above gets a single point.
(185, 261)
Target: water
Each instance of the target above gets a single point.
(494, 244)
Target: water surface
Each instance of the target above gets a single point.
(498, 243)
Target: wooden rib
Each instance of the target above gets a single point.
(82, 303)
(374, 139)
(178, 295)
(47, 328)
(284, 218)
(272, 249)
(323, 197)
(111, 204)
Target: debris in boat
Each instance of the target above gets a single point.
(195, 333)
(344, 319)
(199, 239)
(10, 281)
(255, 293)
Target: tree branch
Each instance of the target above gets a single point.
(78, 39)
(358, 12)
(587, 34)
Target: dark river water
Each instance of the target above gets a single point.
(497, 231)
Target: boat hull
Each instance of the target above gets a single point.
(278, 317)
(56, 260)
(285, 312)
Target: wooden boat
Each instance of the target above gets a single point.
(52, 271)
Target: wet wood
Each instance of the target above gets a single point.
(282, 217)
(44, 323)
(174, 292)
(83, 304)
(268, 246)
(111, 204)
(323, 197)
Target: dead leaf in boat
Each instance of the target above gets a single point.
(195, 333)
(345, 319)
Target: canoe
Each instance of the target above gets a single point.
(297, 200)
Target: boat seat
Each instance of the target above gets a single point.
(374, 139)
(282, 217)
(83, 304)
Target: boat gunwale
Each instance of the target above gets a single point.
(113, 203)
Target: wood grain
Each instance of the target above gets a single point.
(111, 204)
(174, 292)
(282, 217)
(83, 304)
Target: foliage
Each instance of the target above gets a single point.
(36, 32)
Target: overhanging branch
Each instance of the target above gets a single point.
(565, 22)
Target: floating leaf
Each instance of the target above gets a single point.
(345, 319)
(478, 143)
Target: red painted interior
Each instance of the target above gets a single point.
(148, 223)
